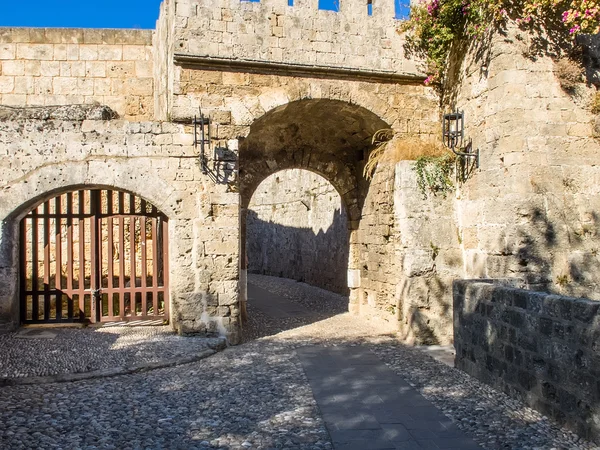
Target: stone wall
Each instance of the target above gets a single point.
(49, 66)
(427, 253)
(407, 250)
(538, 347)
(298, 229)
(372, 250)
(237, 99)
(531, 210)
(226, 42)
(157, 161)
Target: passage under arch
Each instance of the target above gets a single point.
(297, 228)
(94, 255)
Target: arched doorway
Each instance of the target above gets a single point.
(329, 137)
(297, 228)
(94, 255)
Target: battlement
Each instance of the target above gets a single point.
(273, 31)
(345, 7)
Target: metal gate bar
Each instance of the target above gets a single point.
(86, 238)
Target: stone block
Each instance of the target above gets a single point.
(144, 69)
(8, 51)
(60, 52)
(24, 85)
(121, 69)
(72, 52)
(7, 84)
(50, 68)
(140, 86)
(222, 248)
(354, 279)
(95, 69)
(13, 68)
(37, 52)
(110, 52)
(87, 52)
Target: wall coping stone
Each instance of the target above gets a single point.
(190, 61)
(67, 113)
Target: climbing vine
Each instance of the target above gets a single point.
(435, 24)
(435, 174)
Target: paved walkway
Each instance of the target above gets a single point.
(365, 405)
(277, 308)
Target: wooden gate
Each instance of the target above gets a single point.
(94, 256)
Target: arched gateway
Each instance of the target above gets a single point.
(267, 106)
(94, 255)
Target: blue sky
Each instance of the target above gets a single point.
(89, 13)
(80, 13)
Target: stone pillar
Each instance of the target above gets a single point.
(243, 282)
(354, 275)
(9, 276)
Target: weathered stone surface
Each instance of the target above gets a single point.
(54, 66)
(45, 157)
(63, 113)
(298, 229)
(529, 212)
(541, 354)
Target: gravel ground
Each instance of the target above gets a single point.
(323, 304)
(255, 396)
(76, 350)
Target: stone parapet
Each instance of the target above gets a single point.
(271, 30)
(537, 347)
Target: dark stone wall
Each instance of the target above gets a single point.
(541, 348)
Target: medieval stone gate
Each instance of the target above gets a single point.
(270, 105)
(291, 87)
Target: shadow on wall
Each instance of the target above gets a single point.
(551, 254)
(299, 254)
(425, 310)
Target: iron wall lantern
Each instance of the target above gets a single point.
(202, 138)
(453, 135)
(224, 161)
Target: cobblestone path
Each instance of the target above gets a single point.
(258, 395)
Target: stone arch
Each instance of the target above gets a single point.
(297, 224)
(51, 180)
(252, 109)
(339, 183)
(329, 137)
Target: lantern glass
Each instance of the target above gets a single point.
(453, 129)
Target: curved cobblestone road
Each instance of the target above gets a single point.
(255, 396)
